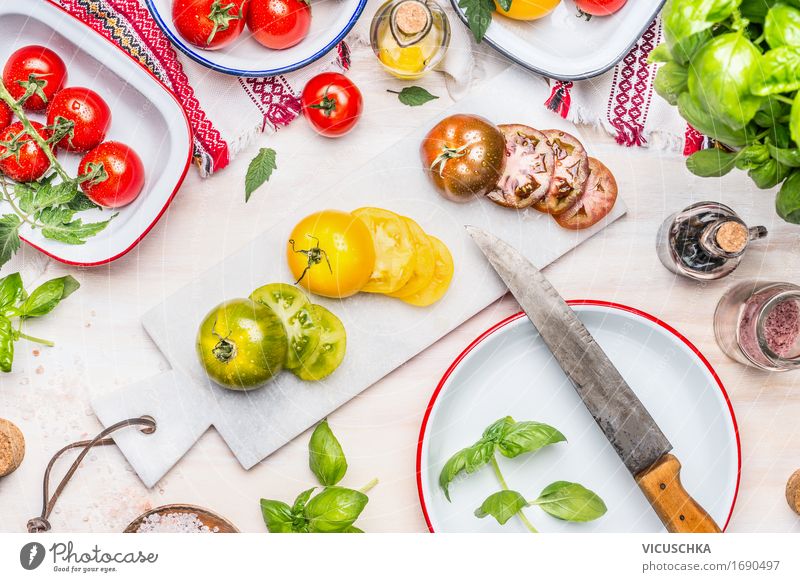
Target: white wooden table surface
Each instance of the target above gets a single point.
(101, 345)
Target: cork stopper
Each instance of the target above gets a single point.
(12, 447)
(411, 17)
(732, 237)
(793, 492)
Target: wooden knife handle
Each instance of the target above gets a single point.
(679, 513)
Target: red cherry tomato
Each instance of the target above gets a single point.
(600, 7)
(89, 113)
(21, 158)
(279, 24)
(6, 116)
(332, 104)
(121, 178)
(40, 66)
(209, 24)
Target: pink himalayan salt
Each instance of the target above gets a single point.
(781, 328)
(174, 523)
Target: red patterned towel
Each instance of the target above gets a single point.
(209, 98)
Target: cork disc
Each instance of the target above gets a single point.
(12, 447)
(793, 491)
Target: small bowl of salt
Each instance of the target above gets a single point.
(180, 519)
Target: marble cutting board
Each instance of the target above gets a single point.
(382, 333)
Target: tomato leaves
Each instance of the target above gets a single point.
(259, 171)
(413, 96)
(479, 15)
(9, 236)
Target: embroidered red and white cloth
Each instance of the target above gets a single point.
(226, 113)
(624, 103)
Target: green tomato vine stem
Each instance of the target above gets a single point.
(504, 485)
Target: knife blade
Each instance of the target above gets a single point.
(626, 423)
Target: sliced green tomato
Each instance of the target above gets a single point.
(293, 308)
(330, 350)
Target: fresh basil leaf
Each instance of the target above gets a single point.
(466, 460)
(479, 16)
(495, 431)
(756, 10)
(502, 505)
(778, 73)
(705, 124)
(787, 157)
(6, 345)
(770, 112)
(782, 26)
(787, 202)
(277, 516)
(301, 500)
(47, 295)
(769, 174)
(794, 119)
(325, 455)
(671, 80)
(9, 236)
(526, 437)
(570, 502)
(259, 171)
(352, 529)
(414, 96)
(711, 162)
(660, 54)
(684, 50)
(752, 156)
(11, 291)
(683, 18)
(334, 509)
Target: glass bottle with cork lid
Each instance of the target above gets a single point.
(410, 37)
(705, 241)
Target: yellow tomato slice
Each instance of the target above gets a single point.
(441, 277)
(395, 256)
(425, 266)
(528, 9)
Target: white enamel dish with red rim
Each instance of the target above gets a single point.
(509, 371)
(566, 45)
(145, 116)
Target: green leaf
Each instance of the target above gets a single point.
(752, 156)
(9, 236)
(479, 16)
(570, 502)
(778, 73)
(466, 460)
(683, 18)
(325, 455)
(770, 112)
(660, 54)
(335, 509)
(495, 431)
(786, 156)
(47, 295)
(81, 202)
(769, 174)
(34, 197)
(6, 345)
(704, 123)
(301, 500)
(671, 80)
(352, 529)
(277, 516)
(11, 291)
(502, 505)
(526, 437)
(259, 171)
(711, 162)
(60, 224)
(756, 10)
(782, 26)
(414, 96)
(794, 119)
(787, 202)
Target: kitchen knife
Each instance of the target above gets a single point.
(628, 426)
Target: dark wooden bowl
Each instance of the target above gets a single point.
(208, 517)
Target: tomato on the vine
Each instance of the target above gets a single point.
(279, 24)
(21, 158)
(113, 175)
(88, 114)
(600, 7)
(209, 24)
(34, 69)
(332, 104)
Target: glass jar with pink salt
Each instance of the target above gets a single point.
(758, 324)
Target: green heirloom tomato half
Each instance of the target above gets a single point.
(720, 76)
(242, 344)
(331, 349)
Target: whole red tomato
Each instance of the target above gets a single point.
(279, 24)
(209, 24)
(89, 113)
(39, 68)
(332, 104)
(21, 158)
(117, 174)
(6, 116)
(600, 7)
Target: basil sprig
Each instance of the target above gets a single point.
(15, 302)
(561, 499)
(334, 509)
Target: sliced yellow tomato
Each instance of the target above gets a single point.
(425, 266)
(331, 253)
(395, 256)
(441, 277)
(528, 9)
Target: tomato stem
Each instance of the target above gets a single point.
(448, 153)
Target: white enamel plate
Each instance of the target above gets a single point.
(331, 20)
(509, 371)
(566, 45)
(145, 116)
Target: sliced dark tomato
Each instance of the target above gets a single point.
(569, 175)
(596, 202)
(529, 168)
